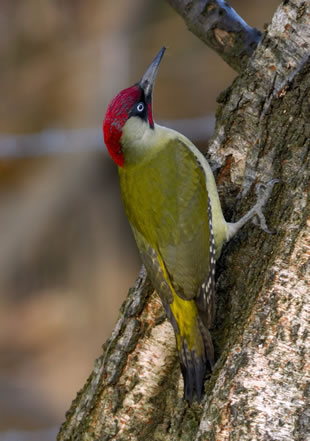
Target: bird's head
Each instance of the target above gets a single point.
(133, 102)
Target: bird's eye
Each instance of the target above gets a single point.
(140, 107)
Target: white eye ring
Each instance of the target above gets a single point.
(140, 107)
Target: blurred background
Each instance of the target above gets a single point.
(67, 257)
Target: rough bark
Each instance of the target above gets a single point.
(219, 26)
(260, 387)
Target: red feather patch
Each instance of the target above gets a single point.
(115, 118)
(150, 114)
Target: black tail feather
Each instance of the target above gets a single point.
(194, 367)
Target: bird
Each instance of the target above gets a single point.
(173, 208)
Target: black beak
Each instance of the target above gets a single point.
(148, 79)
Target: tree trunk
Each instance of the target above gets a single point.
(260, 387)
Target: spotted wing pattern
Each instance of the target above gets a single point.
(206, 295)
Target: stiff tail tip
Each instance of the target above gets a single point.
(195, 366)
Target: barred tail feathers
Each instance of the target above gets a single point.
(194, 346)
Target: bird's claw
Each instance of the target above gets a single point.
(263, 192)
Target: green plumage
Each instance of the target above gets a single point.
(166, 201)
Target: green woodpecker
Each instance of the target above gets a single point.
(171, 201)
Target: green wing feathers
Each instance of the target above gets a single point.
(167, 204)
(193, 340)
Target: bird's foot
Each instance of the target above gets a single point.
(263, 192)
(256, 214)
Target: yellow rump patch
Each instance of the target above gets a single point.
(185, 314)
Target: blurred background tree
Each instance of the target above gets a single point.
(67, 257)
